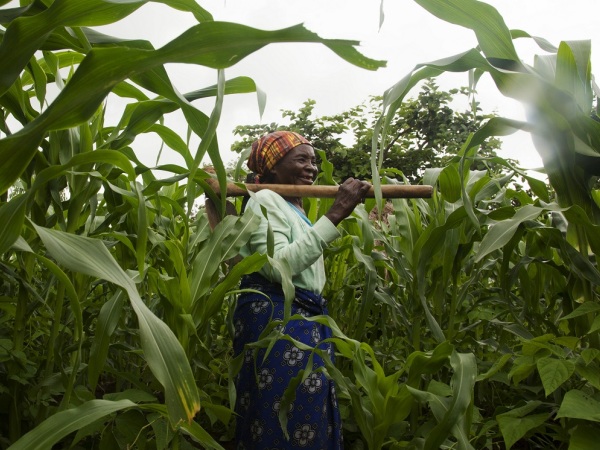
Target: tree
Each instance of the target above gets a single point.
(425, 132)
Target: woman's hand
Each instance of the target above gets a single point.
(351, 193)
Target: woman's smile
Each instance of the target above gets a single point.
(298, 166)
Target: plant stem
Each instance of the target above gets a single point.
(58, 308)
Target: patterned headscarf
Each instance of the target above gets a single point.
(269, 149)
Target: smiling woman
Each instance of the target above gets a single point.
(284, 157)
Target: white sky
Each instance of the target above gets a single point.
(292, 73)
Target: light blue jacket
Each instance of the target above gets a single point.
(295, 241)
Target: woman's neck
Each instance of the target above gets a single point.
(296, 201)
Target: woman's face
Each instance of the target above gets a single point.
(298, 166)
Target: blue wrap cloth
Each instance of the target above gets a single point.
(313, 420)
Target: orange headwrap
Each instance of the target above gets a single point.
(269, 149)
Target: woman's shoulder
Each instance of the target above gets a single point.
(268, 199)
(268, 196)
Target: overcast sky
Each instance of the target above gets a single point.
(292, 73)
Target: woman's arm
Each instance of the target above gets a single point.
(301, 253)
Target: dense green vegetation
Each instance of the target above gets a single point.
(468, 320)
(425, 132)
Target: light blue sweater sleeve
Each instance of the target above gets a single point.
(294, 240)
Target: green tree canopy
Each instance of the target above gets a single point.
(424, 133)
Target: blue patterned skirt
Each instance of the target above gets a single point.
(313, 419)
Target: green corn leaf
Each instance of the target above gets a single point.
(108, 320)
(173, 140)
(541, 42)
(28, 33)
(573, 72)
(455, 420)
(162, 351)
(207, 309)
(489, 27)
(39, 80)
(207, 262)
(12, 216)
(578, 263)
(450, 183)
(59, 425)
(99, 156)
(501, 232)
(421, 363)
(496, 367)
(209, 144)
(213, 44)
(368, 292)
(201, 436)
(201, 14)
(282, 268)
(142, 230)
(239, 235)
(21, 245)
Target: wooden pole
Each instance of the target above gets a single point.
(298, 190)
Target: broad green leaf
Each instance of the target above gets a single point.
(491, 31)
(578, 263)
(22, 245)
(208, 308)
(514, 428)
(201, 436)
(212, 44)
(61, 424)
(239, 235)
(578, 405)
(420, 363)
(584, 437)
(590, 354)
(573, 71)
(586, 308)
(142, 230)
(99, 156)
(496, 367)
(282, 268)
(192, 6)
(28, 33)
(208, 260)
(590, 373)
(368, 291)
(543, 43)
(450, 183)
(162, 351)
(595, 326)
(209, 144)
(501, 232)
(12, 216)
(133, 395)
(108, 319)
(554, 372)
(455, 419)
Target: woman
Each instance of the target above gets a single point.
(285, 157)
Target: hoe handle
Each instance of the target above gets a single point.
(294, 190)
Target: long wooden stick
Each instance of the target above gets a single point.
(297, 190)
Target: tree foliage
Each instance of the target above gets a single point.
(456, 325)
(425, 132)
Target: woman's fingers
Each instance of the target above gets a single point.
(356, 187)
(350, 193)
